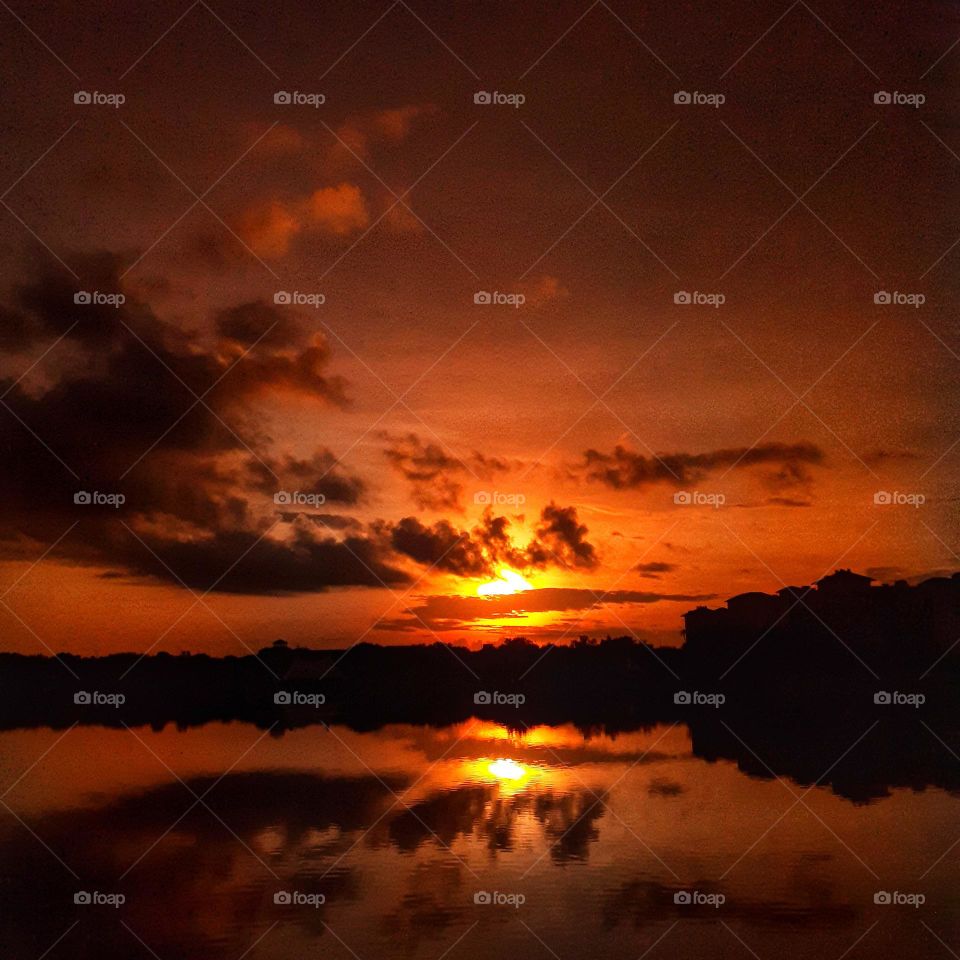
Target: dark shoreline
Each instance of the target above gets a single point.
(772, 715)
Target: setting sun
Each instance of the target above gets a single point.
(508, 581)
(507, 769)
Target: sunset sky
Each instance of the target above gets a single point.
(621, 455)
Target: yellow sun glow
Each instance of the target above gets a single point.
(507, 581)
(507, 769)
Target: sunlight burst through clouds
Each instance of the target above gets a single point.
(508, 581)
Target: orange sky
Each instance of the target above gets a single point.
(560, 432)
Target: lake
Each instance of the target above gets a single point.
(466, 841)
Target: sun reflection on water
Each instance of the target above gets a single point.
(508, 775)
(506, 769)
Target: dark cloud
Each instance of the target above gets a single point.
(436, 477)
(560, 536)
(559, 541)
(440, 546)
(44, 307)
(788, 502)
(443, 612)
(791, 474)
(18, 331)
(241, 562)
(625, 469)
(199, 478)
(318, 474)
(652, 570)
(258, 322)
(335, 521)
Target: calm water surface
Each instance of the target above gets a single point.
(393, 840)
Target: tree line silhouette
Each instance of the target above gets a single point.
(787, 672)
